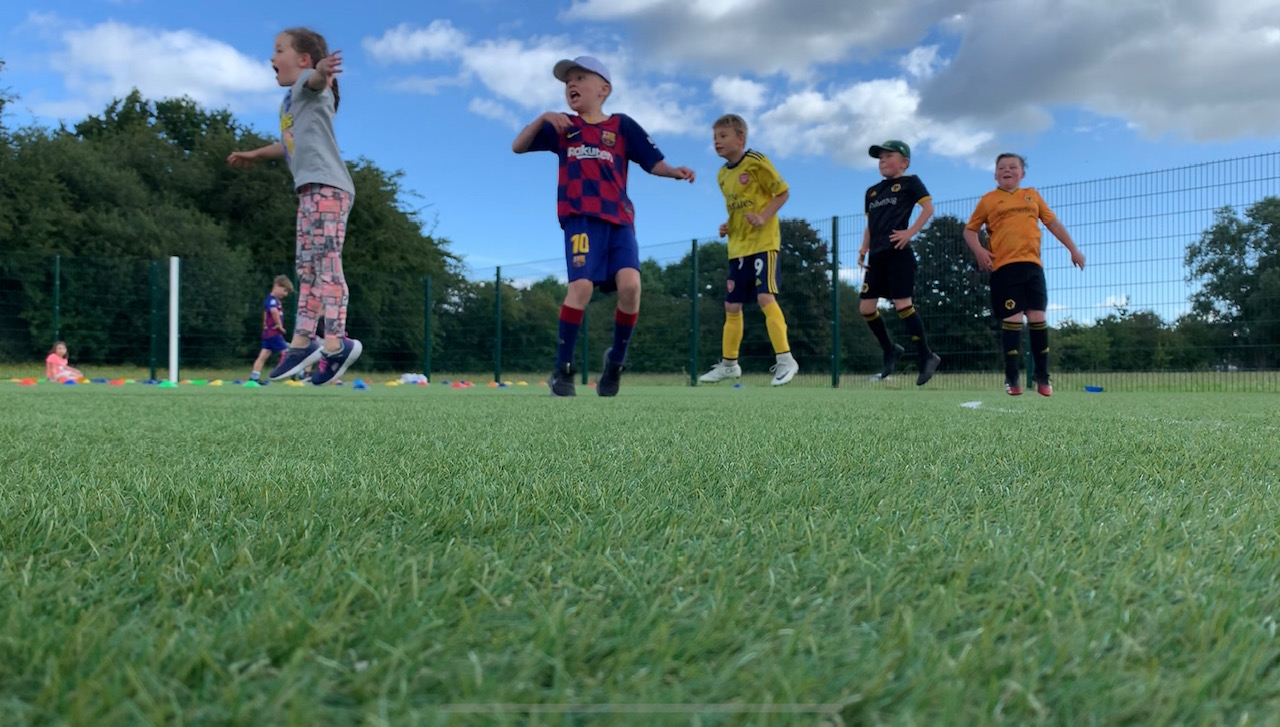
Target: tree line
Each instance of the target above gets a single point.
(145, 179)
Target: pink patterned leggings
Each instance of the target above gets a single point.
(322, 290)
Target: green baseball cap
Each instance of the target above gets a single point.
(891, 145)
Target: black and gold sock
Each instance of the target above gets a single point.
(877, 327)
(1010, 339)
(915, 329)
(1040, 350)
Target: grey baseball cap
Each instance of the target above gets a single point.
(586, 63)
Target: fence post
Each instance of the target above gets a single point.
(175, 330)
(584, 334)
(57, 297)
(693, 301)
(497, 321)
(426, 327)
(155, 314)
(835, 302)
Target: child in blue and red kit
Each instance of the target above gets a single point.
(597, 217)
(272, 326)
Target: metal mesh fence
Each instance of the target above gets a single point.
(1148, 312)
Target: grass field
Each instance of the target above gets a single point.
(427, 556)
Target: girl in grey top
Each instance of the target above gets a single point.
(303, 63)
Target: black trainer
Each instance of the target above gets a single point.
(927, 367)
(890, 361)
(609, 378)
(561, 381)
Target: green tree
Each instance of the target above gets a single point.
(1081, 348)
(1236, 264)
(5, 99)
(952, 296)
(146, 180)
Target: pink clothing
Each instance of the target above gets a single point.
(322, 288)
(56, 369)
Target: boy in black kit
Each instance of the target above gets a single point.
(888, 262)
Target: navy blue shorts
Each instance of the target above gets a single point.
(752, 275)
(596, 250)
(274, 343)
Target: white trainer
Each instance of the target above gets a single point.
(721, 371)
(784, 371)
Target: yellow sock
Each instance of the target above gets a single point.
(777, 326)
(732, 335)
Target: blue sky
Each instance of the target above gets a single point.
(1085, 89)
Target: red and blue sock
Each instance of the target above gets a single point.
(623, 325)
(570, 322)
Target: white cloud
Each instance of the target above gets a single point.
(852, 275)
(767, 36)
(1116, 302)
(518, 73)
(845, 122)
(996, 67)
(740, 94)
(405, 43)
(491, 109)
(110, 59)
(922, 62)
(709, 10)
(1187, 68)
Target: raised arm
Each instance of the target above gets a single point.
(242, 159)
(662, 169)
(524, 140)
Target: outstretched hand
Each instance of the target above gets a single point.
(242, 159)
(330, 65)
(682, 173)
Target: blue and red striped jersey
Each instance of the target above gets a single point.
(593, 165)
(269, 328)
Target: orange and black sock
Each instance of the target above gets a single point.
(1010, 339)
(876, 323)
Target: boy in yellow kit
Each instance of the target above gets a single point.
(753, 194)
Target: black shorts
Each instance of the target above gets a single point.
(890, 274)
(1016, 288)
(752, 275)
